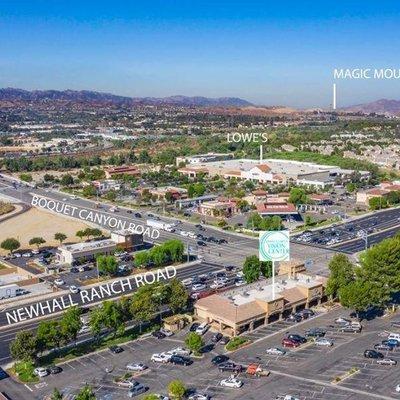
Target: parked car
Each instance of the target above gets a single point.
(160, 358)
(59, 282)
(158, 334)
(342, 321)
(230, 366)
(166, 332)
(199, 396)
(290, 343)
(202, 328)
(386, 361)
(116, 349)
(41, 372)
(136, 367)
(181, 351)
(198, 287)
(275, 351)
(136, 389)
(74, 289)
(372, 354)
(219, 359)
(315, 332)
(216, 337)
(383, 347)
(180, 360)
(391, 342)
(349, 329)
(54, 369)
(323, 342)
(194, 326)
(294, 318)
(297, 338)
(137, 215)
(232, 383)
(225, 340)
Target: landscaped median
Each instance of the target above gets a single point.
(237, 342)
(23, 371)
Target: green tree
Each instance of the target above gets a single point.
(175, 249)
(86, 393)
(48, 335)
(70, 323)
(80, 234)
(266, 269)
(89, 191)
(141, 259)
(158, 255)
(10, 244)
(24, 346)
(176, 389)
(60, 237)
(251, 269)
(26, 177)
(107, 265)
(377, 203)
(36, 241)
(67, 180)
(113, 317)
(341, 274)
(111, 195)
(143, 305)
(96, 322)
(151, 396)
(178, 296)
(194, 342)
(359, 295)
(254, 221)
(56, 395)
(144, 157)
(298, 196)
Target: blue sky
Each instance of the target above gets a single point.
(282, 53)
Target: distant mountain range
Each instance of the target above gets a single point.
(382, 106)
(11, 94)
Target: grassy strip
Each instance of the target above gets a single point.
(24, 371)
(236, 343)
(69, 353)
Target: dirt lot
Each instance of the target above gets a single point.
(39, 223)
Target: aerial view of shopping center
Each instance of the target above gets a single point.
(199, 200)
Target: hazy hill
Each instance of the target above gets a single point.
(382, 106)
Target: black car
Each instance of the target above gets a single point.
(201, 243)
(294, 318)
(116, 349)
(138, 215)
(217, 337)
(74, 269)
(306, 313)
(229, 267)
(194, 326)
(315, 332)
(180, 360)
(225, 340)
(54, 369)
(219, 359)
(3, 374)
(230, 366)
(297, 338)
(129, 211)
(222, 241)
(158, 334)
(372, 354)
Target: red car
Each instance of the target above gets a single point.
(290, 343)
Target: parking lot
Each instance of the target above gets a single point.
(307, 372)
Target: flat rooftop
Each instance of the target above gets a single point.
(85, 246)
(262, 290)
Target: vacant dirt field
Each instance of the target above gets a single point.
(39, 223)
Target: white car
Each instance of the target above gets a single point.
(192, 235)
(275, 351)
(181, 351)
(84, 329)
(74, 289)
(161, 397)
(160, 358)
(199, 396)
(41, 372)
(202, 329)
(59, 282)
(240, 282)
(17, 255)
(323, 342)
(136, 367)
(27, 255)
(231, 382)
(217, 285)
(342, 321)
(166, 332)
(187, 282)
(35, 252)
(184, 233)
(198, 286)
(386, 361)
(398, 388)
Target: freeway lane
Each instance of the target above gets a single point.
(8, 332)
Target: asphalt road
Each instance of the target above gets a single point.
(8, 332)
